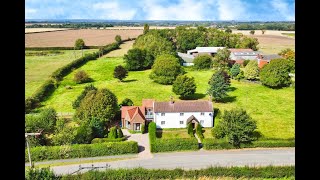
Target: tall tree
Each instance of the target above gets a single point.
(276, 73)
(120, 72)
(184, 86)
(138, 59)
(221, 59)
(101, 104)
(235, 70)
(87, 88)
(237, 126)
(79, 44)
(218, 86)
(165, 69)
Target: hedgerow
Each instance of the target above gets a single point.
(41, 153)
(142, 174)
(102, 140)
(176, 144)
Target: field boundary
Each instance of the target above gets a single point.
(49, 31)
(52, 83)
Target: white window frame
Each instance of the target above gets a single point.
(181, 114)
(202, 113)
(163, 114)
(182, 122)
(163, 122)
(201, 122)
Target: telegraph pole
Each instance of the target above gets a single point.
(26, 136)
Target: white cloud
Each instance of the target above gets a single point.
(112, 10)
(283, 9)
(29, 13)
(184, 10)
(231, 10)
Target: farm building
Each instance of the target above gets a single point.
(191, 54)
(266, 58)
(168, 114)
(239, 55)
(187, 59)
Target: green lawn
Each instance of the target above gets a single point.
(173, 133)
(273, 109)
(39, 68)
(289, 34)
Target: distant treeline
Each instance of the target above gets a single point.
(267, 26)
(71, 25)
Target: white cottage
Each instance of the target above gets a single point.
(173, 114)
(178, 114)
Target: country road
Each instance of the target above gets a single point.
(198, 160)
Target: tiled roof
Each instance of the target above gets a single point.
(240, 50)
(147, 102)
(184, 106)
(124, 110)
(132, 111)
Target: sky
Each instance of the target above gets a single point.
(195, 10)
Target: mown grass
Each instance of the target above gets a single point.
(289, 34)
(173, 133)
(39, 68)
(273, 109)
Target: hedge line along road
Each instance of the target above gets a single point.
(197, 160)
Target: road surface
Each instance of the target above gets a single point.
(199, 159)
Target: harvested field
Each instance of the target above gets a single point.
(91, 37)
(273, 43)
(122, 51)
(37, 30)
(259, 32)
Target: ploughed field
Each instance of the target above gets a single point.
(91, 37)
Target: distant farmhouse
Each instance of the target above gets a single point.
(169, 114)
(236, 55)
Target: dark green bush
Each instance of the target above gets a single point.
(152, 129)
(81, 150)
(87, 88)
(203, 62)
(120, 133)
(177, 144)
(199, 131)
(211, 172)
(103, 140)
(41, 173)
(44, 90)
(190, 130)
(142, 128)
(81, 77)
(113, 133)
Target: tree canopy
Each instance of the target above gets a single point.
(218, 86)
(251, 71)
(221, 59)
(184, 86)
(203, 62)
(138, 59)
(165, 69)
(120, 72)
(101, 104)
(79, 44)
(276, 73)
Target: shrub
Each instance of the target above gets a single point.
(177, 144)
(276, 73)
(152, 128)
(190, 130)
(240, 75)
(40, 173)
(103, 140)
(217, 132)
(199, 131)
(120, 72)
(142, 128)
(84, 133)
(221, 59)
(65, 136)
(113, 133)
(118, 38)
(203, 62)
(44, 121)
(79, 44)
(81, 77)
(165, 69)
(184, 86)
(81, 150)
(120, 133)
(252, 32)
(251, 71)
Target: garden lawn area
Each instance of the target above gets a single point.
(39, 68)
(273, 109)
(173, 133)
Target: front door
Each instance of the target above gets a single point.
(138, 127)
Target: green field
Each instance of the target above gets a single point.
(39, 68)
(273, 109)
(289, 34)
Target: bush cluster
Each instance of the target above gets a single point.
(103, 140)
(176, 144)
(41, 153)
